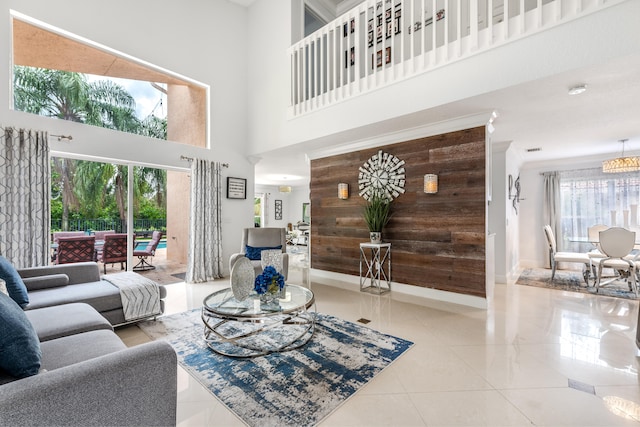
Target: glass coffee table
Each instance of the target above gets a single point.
(252, 328)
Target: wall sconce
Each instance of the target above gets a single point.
(430, 183)
(343, 191)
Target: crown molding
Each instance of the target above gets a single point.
(438, 128)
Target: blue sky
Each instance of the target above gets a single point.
(147, 97)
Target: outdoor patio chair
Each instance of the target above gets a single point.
(114, 250)
(148, 252)
(75, 249)
(100, 234)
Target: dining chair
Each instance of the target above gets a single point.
(595, 254)
(616, 243)
(594, 235)
(574, 257)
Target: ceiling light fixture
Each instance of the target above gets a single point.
(622, 163)
(285, 189)
(577, 90)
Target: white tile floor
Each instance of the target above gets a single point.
(510, 365)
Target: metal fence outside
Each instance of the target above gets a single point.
(120, 226)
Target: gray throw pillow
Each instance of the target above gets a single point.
(45, 282)
(20, 354)
(15, 285)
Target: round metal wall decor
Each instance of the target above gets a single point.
(383, 175)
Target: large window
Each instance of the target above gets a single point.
(121, 104)
(92, 196)
(60, 75)
(589, 197)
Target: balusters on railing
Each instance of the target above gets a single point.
(407, 38)
(539, 16)
(473, 24)
(505, 20)
(458, 43)
(489, 23)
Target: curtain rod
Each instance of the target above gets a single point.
(60, 137)
(572, 170)
(190, 159)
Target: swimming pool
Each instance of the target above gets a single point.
(141, 244)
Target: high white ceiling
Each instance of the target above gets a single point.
(538, 114)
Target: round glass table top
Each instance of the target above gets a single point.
(223, 303)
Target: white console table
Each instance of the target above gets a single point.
(375, 268)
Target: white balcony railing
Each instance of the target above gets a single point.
(381, 42)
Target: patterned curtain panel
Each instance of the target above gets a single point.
(24, 197)
(204, 262)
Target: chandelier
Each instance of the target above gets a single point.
(622, 163)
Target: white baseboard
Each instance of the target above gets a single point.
(399, 291)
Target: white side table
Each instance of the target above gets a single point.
(375, 268)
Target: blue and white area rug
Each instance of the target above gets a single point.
(294, 388)
(567, 280)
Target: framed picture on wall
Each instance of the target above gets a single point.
(236, 188)
(278, 210)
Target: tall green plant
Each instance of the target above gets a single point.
(376, 213)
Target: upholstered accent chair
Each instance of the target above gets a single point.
(148, 252)
(75, 249)
(114, 250)
(254, 240)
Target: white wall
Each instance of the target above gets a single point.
(513, 162)
(182, 37)
(269, 33)
(503, 219)
(497, 209)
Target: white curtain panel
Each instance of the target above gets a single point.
(24, 197)
(204, 262)
(551, 209)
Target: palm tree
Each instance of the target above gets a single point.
(66, 171)
(152, 181)
(69, 96)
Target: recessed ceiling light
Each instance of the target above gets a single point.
(577, 90)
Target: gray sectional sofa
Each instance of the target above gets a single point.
(79, 282)
(88, 377)
(61, 363)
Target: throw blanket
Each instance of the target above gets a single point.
(140, 296)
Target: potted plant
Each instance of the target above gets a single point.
(376, 213)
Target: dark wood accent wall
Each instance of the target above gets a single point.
(437, 240)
